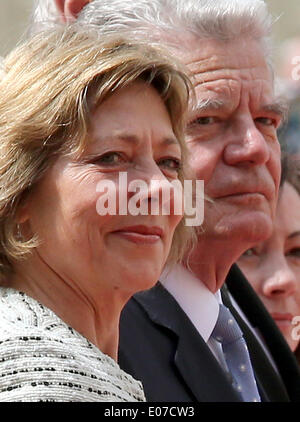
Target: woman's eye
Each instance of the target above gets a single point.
(110, 158)
(173, 164)
(294, 252)
(249, 252)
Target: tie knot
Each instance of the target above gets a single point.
(226, 329)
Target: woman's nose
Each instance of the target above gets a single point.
(281, 282)
(156, 192)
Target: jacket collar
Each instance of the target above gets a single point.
(196, 364)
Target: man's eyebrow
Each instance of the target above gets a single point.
(279, 107)
(208, 104)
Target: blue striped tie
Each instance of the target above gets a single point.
(236, 354)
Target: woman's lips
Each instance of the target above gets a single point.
(143, 235)
(282, 318)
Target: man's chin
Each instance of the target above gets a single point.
(252, 227)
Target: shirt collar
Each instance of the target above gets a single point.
(195, 299)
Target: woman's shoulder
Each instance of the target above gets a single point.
(19, 312)
(42, 358)
(23, 317)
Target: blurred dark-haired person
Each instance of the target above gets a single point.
(273, 266)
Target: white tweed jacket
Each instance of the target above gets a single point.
(43, 359)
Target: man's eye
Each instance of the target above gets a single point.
(266, 121)
(206, 120)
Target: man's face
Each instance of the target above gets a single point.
(232, 137)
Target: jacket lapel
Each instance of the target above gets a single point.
(196, 364)
(259, 318)
(269, 383)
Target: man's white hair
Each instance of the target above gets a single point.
(44, 11)
(169, 19)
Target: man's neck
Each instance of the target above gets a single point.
(211, 260)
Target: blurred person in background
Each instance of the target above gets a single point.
(273, 267)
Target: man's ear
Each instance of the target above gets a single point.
(60, 5)
(69, 9)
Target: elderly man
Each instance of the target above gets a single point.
(170, 335)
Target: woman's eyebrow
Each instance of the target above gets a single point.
(294, 234)
(134, 140)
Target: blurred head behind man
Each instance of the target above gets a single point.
(231, 132)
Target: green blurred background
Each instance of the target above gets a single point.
(15, 15)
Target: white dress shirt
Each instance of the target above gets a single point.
(202, 307)
(198, 302)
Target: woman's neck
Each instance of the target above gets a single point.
(95, 315)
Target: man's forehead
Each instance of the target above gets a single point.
(229, 93)
(207, 59)
(222, 72)
(192, 47)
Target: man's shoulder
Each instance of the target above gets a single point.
(155, 303)
(153, 311)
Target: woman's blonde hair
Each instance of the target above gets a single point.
(51, 83)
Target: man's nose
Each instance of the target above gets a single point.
(246, 144)
(281, 282)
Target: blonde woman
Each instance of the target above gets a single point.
(76, 111)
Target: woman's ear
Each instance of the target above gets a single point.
(22, 214)
(69, 9)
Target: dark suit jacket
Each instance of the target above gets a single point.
(161, 347)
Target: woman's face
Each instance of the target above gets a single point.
(273, 267)
(130, 132)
